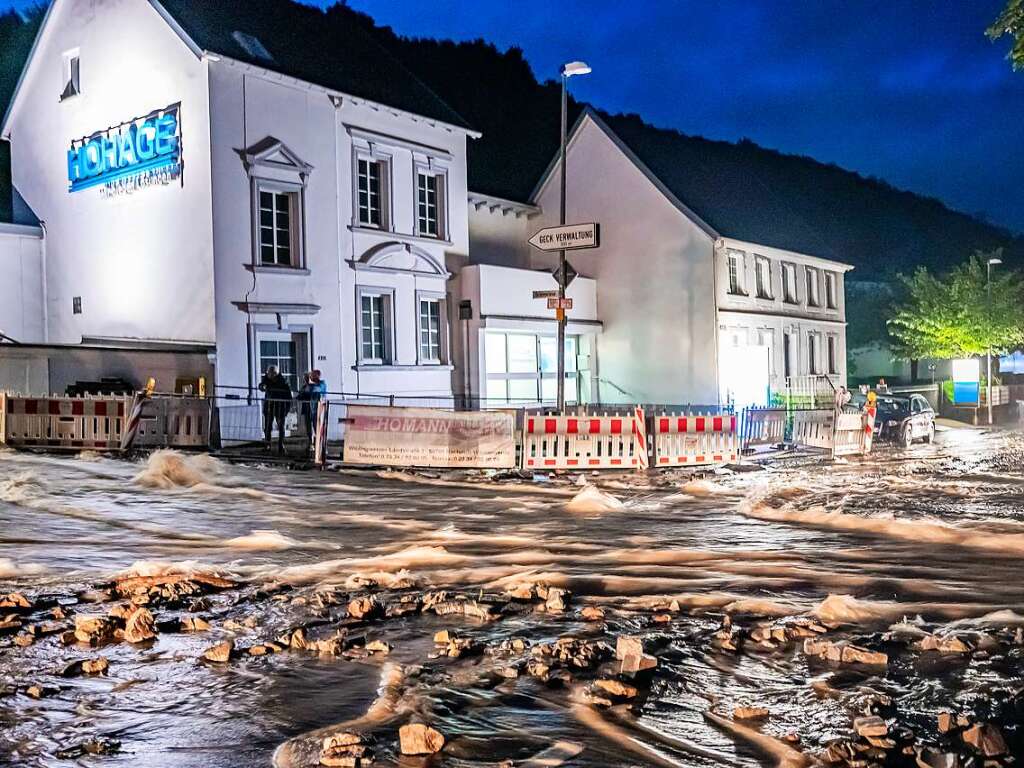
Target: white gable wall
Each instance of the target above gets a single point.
(21, 283)
(654, 271)
(141, 263)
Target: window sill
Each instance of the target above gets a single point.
(265, 269)
(399, 367)
(360, 229)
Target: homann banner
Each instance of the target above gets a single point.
(422, 437)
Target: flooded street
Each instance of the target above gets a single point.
(889, 553)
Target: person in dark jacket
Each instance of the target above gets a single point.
(276, 405)
(310, 395)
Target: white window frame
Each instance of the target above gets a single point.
(790, 287)
(831, 288)
(442, 327)
(763, 288)
(538, 375)
(430, 168)
(813, 354)
(832, 354)
(387, 296)
(71, 74)
(736, 272)
(295, 222)
(300, 335)
(812, 279)
(386, 163)
(790, 339)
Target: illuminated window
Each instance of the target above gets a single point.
(278, 227)
(72, 83)
(371, 192)
(375, 326)
(431, 314)
(763, 269)
(812, 287)
(523, 368)
(737, 277)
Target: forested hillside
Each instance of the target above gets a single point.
(863, 221)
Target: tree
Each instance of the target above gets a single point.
(1011, 22)
(959, 315)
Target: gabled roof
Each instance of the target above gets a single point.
(719, 191)
(329, 49)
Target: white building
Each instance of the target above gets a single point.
(204, 182)
(697, 298)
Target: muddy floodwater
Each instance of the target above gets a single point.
(738, 590)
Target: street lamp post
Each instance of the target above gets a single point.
(568, 70)
(988, 356)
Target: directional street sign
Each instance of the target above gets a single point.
(570, 274)
(567, 238)
(545, 294)
(557, 303)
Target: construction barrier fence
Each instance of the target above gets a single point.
(585, 442)
(694, 439)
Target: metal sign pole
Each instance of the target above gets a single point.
(561, 262)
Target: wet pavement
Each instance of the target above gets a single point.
(879, 551)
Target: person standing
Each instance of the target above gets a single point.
(277, 403)
(313, 391)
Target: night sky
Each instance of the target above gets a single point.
(910, 91)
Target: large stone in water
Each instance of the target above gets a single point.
(986, 738)
(365, 608)
(870, 726)
(616, 688)
(420, 739)
(139, 626)
(220, 653)
(93, 629)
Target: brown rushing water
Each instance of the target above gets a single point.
(936, 532)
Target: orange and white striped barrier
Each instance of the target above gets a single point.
(694, 439)
(320, 433)
(585, 442)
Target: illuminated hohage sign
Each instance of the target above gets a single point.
(138, 153)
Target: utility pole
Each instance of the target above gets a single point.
(568, 70)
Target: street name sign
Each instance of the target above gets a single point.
(545, 294)
(556, 303)
(568, 237)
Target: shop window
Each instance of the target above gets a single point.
(523, 367)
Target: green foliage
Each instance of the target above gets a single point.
(959, 315)
(1011, 22)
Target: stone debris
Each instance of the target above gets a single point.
(94, 630)
(465, 607)
(629, 650)
(592, 613)
(16, 601)
(572, 652)
(345, 750)
(557, 600)
(296, 640)
(193, 624)
(220, 653)
(943, 644)
(844, 652)
(139, 626)
(750, 713)
(378, 647)
(870, 725)
(616, 688)
(420, 739)
(97, 746)
(96, 666)
(24, 640)
(986, 739)
(37, 691)
(662, 618)
(169, 589)
(365, 608)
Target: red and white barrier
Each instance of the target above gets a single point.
(63, 422)
(694, 440)
(585, 442)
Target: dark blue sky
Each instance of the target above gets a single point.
(907, 90)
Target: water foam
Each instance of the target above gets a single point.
(592, 500)
(166, 469)
(262, 540)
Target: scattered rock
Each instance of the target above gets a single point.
(15, 600)
(24, 640)
(616, 688)
(420, 739)
(557, 600)
(193, 624)
(139, 626)
(662, 618)
(943, 644)
(97, 746)
(592, 613)
(853, 654)
(346, 750)
(97, 666)
(986, 739)
(378, 646)
(946, 722)
(38, 691)
(872, 725)
(750, 713)
(365, 608)
(220, 653)
(93, 630)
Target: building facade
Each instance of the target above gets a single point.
(195, 191)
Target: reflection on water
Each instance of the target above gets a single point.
(934, 534)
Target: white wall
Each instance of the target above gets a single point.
(497, 235)
(654, 272)
(141, 263)
(21, 288)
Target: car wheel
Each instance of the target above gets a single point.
(907, 436)
(930, 437)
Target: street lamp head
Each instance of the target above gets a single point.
(575, 68)
(993, 262)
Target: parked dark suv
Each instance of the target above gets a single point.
(902, 418)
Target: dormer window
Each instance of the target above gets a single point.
(72, 83)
